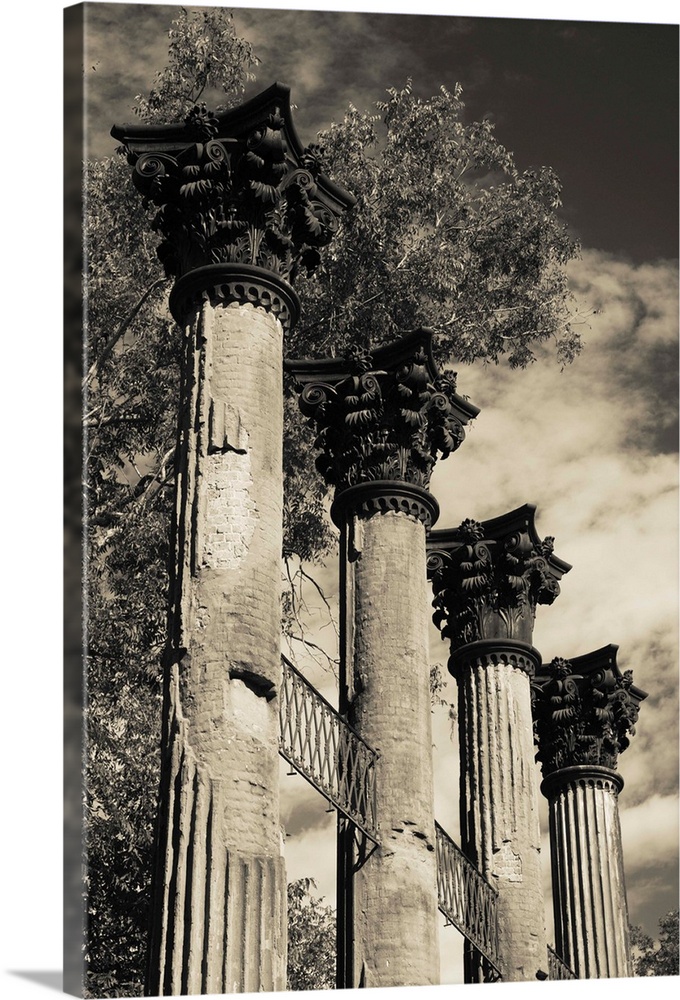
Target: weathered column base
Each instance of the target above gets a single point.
(220, 921)
(235, 937)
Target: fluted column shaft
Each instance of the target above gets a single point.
(219, 910)
(488, 579)
(499, 799)
(589, 892)
(585, 711)
(394, 886)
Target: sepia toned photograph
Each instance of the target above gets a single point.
(373, 499)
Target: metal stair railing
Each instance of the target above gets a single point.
(325, 750)
(557, 967)
(466, 899)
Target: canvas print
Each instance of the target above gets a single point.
(379, 519)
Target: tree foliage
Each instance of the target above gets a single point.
(447, 233)
(311, 939)
(121, 775)
(659, 961)
(204, 54)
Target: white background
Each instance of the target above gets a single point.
(30, 823)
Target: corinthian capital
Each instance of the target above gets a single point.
(382, 418)
(584, 711)
(235, 188)
(489, 576)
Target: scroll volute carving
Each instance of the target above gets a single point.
(384, 416)
(235, 188)
(585, 710)
(488, 577)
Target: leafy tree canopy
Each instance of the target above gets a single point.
(447, 233)
(659, 961)
(311, 939)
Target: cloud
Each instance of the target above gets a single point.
(332, 58)
(636, 302)
(312, 855)
(563, 440)
(125, 47)
(650, 832)
(590, 447)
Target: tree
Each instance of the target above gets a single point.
(121, 774)
(661, 961)
(311, 939)
(447, 232)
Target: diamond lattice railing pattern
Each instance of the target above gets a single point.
(466, 898)
(325, 750)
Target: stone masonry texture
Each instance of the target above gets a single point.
(220, 920)
(395, 889)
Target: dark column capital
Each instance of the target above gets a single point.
(584, 711)
(489, 576)
(383, 419)
(236, 189)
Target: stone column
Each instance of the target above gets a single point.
(382, 421)
(488, 578)
(584, 709)
(241, 206)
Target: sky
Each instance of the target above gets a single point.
(596, 101)
(595, 446)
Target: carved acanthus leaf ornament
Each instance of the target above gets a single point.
(235, 188)
(488, 577)
(382, 417)
(584, 711)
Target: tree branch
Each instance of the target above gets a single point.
(109, 421)
(297, 605)
(122, 329)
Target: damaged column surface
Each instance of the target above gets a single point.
(487, 579)
(241, 207)
(584, 710)
(382, 421)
